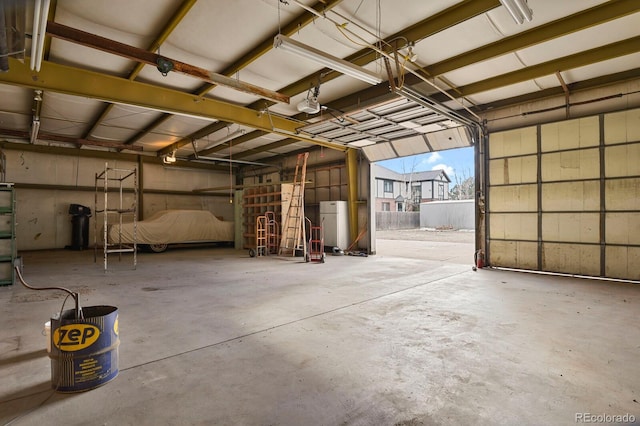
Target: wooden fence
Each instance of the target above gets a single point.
(397, 220)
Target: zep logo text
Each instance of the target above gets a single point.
(75, 337)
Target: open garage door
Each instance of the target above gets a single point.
(565, 197)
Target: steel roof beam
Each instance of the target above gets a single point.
(89, 84)
(198, 134)
(235, 141)
(130, 52)
(177, 17)
(58, 138)
(423, 29)
(301, 21)
(266, 45)
(600, 14)
(592, 83)
(427, 27)
(580, 59)
(264, 148)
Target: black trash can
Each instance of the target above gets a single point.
(79, 226)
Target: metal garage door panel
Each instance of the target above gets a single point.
(572, 134)
(622, 194)
(578, 259)
(513, 143)
(571, 196)
(622, 160)
(504, 171)
(571, 227)
(514, 254)
(514, 198)
(620, 228)
(508, 226)
(379, 151)
(571, 165)
(565, 197)
(622, 127)
(622, 262)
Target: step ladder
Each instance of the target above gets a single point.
(293, 226)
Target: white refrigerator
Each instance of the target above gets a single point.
(334, 216)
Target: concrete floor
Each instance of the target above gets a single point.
(411, 336)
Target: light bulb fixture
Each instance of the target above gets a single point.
(519, 10)
(310, 104)
(169, 158)
(164, 66)
(411, 55)
(345, 67)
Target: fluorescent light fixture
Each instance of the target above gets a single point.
(518, 9)
(345, 67)
(361, 143)
(40, 16)
(35, 128)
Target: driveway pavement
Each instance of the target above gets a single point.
(446, 246)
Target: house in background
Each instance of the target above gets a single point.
(405, 191)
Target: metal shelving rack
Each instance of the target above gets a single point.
(8, 249)
(119, 176)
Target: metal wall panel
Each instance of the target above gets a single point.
(571, 258)
(514, 254)
(522, 226)
(514, 143)
(571, 165)
(513, 170)
(622, 194)
(565, 197)
(571, 196)
(579, 133)
(622, 160)
(622, 127)
(623, 262)
(571, 227)
(514, 198)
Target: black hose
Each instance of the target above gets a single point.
(76, 296)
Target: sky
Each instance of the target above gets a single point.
(457, 163)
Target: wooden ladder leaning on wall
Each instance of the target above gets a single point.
(293, 226)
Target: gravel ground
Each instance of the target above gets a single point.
(424, 234)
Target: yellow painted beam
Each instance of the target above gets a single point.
(94, 41)
(299, 22)
(164, 34)
(597, 15)
(447, 18)
(266, 45)
(587, 57)
(177, 17)
(78, 82)
(352, 193)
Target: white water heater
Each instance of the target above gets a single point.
(334, 216)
